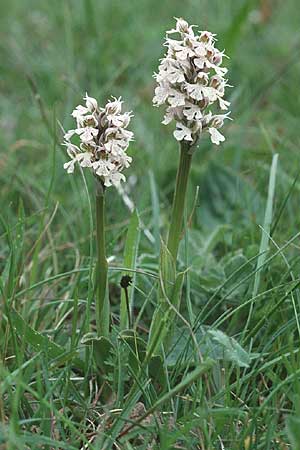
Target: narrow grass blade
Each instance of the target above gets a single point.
(189, 379)
(130, 257)
(155, 210)
(264, 243)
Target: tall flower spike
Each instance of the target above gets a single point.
(100, 140)
(191, 81)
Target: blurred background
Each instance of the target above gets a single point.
(53, 52)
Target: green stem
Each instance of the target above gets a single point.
(161, 325)
(183, 171)
(102, 300)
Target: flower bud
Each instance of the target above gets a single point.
(91, 103)
(114, 107)
(182, 26)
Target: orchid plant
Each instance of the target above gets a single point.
(191, 83)
(100, 142)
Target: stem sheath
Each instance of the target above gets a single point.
(179, 199)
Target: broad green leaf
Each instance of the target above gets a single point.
(211, 343)
(231, 349)
(39, 342)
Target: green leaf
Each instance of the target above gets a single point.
(293, 431)
(234, 32)
(169, 292)
(211, 343)
(137, 349)
(157, 372)
(167, 273)
(231, 349)
(265, 236)
(55, 352)
(101, 349)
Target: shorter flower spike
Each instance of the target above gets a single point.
(100, 140)
(191, 80)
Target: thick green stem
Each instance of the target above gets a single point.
(102, 299)
(179, 199)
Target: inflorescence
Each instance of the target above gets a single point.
(100, 140)
(190, 81)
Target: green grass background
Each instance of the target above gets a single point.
(51, 53)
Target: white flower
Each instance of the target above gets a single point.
(176, 98)
(113, 108)
(223, 104)
(162, 92)
(70, 165)
(103, 167)
(87, 134)
(84, 159)
(195, 91)
(215, 136)
(104, 140)
(207, 37)
(173, 113)
(192, 111)
(191, 83)
(184, 52)
(115, 179)
(182, 133)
